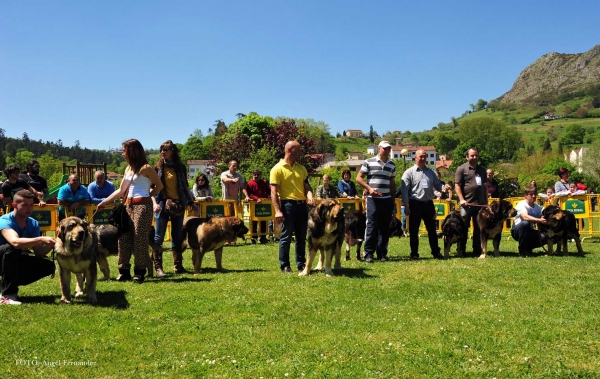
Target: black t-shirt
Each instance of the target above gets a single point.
(9, 189)
(39, 183)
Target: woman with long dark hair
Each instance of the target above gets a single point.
(201, 188)
(171, 202)
(140, 183)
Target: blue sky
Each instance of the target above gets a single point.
(101, 72)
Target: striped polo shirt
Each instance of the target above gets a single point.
(379, 174)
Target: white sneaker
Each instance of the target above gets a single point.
(9, 300)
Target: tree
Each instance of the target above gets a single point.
(444, 142)
(454, 121)
(573, 134)
(20, 159)
(371, 134)
(481, 104)
(220, 128)
(547, 146)
(493, 138)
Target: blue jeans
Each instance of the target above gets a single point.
(295, 221)
(377, 234)
(161, 227)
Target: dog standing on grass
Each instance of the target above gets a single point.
(325, 234)
(76, 253)
(559, 228)
(491, 219)
(203, 235)
(454, 230)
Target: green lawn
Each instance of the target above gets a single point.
(502, 317)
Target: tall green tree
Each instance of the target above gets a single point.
(493, 137)
(371, 134)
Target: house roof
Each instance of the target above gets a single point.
(198, 161)
(410, 148)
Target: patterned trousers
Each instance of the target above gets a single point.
(136, 241)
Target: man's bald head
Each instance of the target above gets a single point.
(292, 151)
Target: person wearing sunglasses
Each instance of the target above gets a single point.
(201, 188)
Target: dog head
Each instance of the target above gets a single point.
(234, 228)
(73, 236)
(396, 228)
(553, 215)
(453, 227)
(355, 224)
(325, 217)
(497, 212)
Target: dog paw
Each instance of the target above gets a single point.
(64, 300)
(92, 300)
(337, 267)
(328, 272)
(303, 273)
(318, 268)
(79, 294)
(482, 256)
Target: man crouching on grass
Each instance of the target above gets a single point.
(18, 233)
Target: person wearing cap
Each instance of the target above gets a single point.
(258, 189)
(470, 184)
(377, 175)
(563, 184)
(418, 184)
(290, 192)
(14, 183)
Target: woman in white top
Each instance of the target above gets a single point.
(201, 189)
(138, 180)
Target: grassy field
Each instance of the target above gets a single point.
(502, 317)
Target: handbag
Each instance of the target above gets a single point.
(119, 218)
(174, 208)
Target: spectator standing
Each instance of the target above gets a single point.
(492, 184)
(379, 173)
(170, 204)
(258, 189)
(471, 189)
(290, 192)
(33, 178)
(563, 184)
(100, 189)
(418, 184)
(232, 183)
(19, 233)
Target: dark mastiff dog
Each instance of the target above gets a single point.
(76, 253)
(491, 220)
(560, 226)
(108, 244)
(325, 234)
(453, 231)
(203, 235)
(354, 231)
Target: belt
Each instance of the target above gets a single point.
(138, 200)
(293, 201)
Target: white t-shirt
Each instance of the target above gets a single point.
(535, 211)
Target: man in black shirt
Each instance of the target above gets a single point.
(33, 178)
(14, 183)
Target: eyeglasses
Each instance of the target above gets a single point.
(164, 149)
(200, 180)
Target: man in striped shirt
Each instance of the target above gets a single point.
(380, 185)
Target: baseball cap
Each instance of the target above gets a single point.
(384, 144)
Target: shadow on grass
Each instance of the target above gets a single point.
(107, 299)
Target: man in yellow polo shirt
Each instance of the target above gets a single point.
(290, 192)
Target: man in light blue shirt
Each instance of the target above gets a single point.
(100, 189)
(73, 196)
